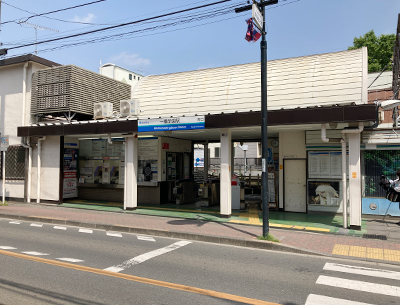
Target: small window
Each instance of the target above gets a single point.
(15, 163)
(134, 77)
(216, 152)
(138, 78)
(130, 76)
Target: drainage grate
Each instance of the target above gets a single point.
(374, 236)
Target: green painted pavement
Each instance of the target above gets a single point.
(325, 221)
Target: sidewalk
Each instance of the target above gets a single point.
(297, 233)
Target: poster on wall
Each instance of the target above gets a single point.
(70, 173)
(325, 164)
(325, 193)
(148, 149)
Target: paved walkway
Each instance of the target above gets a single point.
(292, 234)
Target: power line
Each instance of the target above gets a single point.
(120, 25)
(52, 12)
(109, 23)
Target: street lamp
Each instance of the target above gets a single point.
(264, 112)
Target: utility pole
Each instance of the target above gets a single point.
(2, 51)
(264, 111)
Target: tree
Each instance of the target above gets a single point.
(380, 49)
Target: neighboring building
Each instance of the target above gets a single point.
(15, 104)
(121, 74)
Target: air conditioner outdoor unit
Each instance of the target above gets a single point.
(102, 110)
(129, 108)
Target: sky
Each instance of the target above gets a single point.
(203, 38)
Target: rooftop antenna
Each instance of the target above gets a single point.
(36, 27)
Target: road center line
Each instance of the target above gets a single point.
(359, 285)
(143, 280)
(387, 274)
(144, 257)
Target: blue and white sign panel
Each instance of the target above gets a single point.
(171, 124)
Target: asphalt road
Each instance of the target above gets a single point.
(49, 264)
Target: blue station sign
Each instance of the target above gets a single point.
(171, 124)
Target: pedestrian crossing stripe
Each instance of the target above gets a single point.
(359, 285)
(367, 252)
(387, 274)
(314, 299)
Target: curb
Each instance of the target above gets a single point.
(250, 243)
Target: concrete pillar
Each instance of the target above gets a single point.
(225, 180)
(354, 181)
(131, 167)
(206, 164)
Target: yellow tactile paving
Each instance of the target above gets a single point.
(357, 251)
(341, 250)
(375, 253)
(317, 229)
(391, 255)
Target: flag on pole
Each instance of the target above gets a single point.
(253, 33)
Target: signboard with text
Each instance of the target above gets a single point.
(171, 124)
(4, 143)
(257, 16)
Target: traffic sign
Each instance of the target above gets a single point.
(257, 16)
(4, 143)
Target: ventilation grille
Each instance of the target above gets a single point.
(70, 88)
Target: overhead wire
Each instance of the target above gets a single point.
(198, 16)
(117, 26)
(133, 25)
(52, 12)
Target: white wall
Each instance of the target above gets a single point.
(50, 169)
(120, 74)
(11, 116)
(292, 145)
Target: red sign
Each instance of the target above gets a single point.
(70, 174)
(165, 145)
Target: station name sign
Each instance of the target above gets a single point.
(171, 124)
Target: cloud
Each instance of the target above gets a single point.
(88, 19)
(131, 60)
(206, 67)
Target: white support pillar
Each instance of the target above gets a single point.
(225, 180)
(206, 164)
(354, 181)
(131, 164)
(232, 158)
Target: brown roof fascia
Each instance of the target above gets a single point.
(298, 116)
(25, 58)
(318, 115)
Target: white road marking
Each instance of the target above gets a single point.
(144, 257)
(35, 253)
(7, 248)
(363, 271)
(314, 299)
(36, 225)
(148, 238)
(59, 228)
(15, 222)
(72, 260)
(85, 231)
(359, 285)
(115, 234)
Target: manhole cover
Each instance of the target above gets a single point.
(374, 236)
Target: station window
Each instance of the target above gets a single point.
(130, 76)
(138, 78)
(15, 163)
(217, 152)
